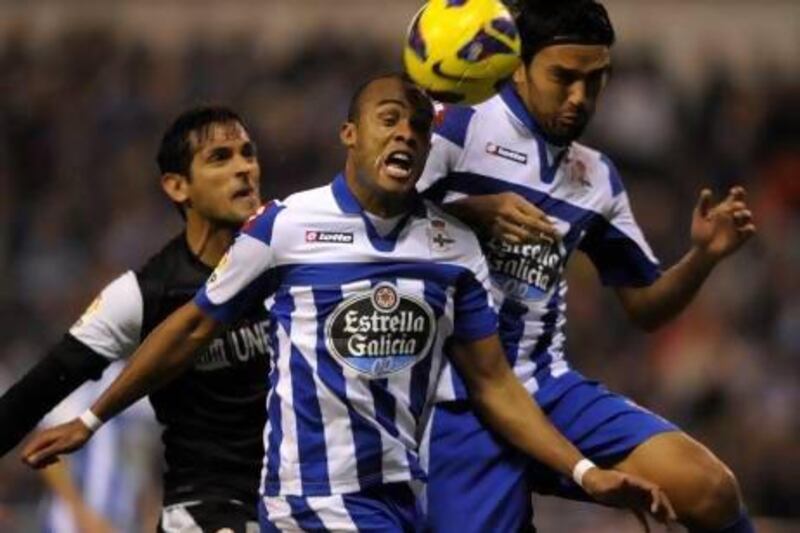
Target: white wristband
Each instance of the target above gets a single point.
(581, 467)
(91, 421)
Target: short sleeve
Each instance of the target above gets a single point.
(111, 325)
(447, 145)
(245, 273)
(474, 314)
(616, 245)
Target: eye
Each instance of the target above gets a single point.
(219, 154)
(389, 118)
(249, 150)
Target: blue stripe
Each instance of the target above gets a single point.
(420, 373)
(367, 438)
(262, 225)
(342, 273)
(310, 431)
(455, 123)
(244, 299)
(476, 184)
(613, 177)
(539, 354)
(280, 317)
(304, 515)
(618, 259)
(473, 317)
(512, 327)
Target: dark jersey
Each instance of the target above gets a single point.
(214, 413)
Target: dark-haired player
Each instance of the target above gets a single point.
(512, 168)
(213, 413)
(365, 283)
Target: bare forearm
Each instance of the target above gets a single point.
(166, 352)
(653, 306)
(508, 409)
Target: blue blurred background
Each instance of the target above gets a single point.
(703, 93)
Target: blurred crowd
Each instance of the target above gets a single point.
(80, 122)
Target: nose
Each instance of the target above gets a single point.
(405, 131)
(246, 167)
(578, 95)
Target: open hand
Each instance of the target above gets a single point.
(45, 446)
(616, 489)
(719, 230)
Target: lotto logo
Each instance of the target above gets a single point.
(335, 237)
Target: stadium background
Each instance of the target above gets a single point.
(704, 92)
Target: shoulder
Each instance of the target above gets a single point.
(598, 168)
(159, 263)
(119, 302)
(452, 123)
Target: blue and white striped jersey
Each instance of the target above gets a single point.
(359, 320)
(497, 147)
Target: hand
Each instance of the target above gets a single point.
(511, 218)
(719, 230)
(624, 490)
(45, 446)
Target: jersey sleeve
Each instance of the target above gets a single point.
(616, 244)
(111, 325)
(475, 316)
(447, 145)
(245, 274)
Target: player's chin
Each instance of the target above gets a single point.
(398, 185)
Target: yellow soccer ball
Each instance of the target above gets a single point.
(461, 51)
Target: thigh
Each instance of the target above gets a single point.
(606, 427)
(201, 517)
(684, 468)
(476, 482)
(387, 508)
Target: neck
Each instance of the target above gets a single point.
(375, 202)
(207, 241)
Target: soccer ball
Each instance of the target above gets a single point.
(461, 51)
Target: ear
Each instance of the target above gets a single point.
(520, 75)
(176, 186)
(347, 134)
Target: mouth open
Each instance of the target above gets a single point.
(245, 192)
(399, 164)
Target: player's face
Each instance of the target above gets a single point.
(390, 139)
(561, 86)
(224, 183)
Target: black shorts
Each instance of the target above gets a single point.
(209, 517)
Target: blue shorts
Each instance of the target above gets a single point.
(477, 482)
(391, 508)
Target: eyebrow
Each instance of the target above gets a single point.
(388, 101)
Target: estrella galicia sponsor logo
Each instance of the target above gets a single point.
(380, 332)
(335, 237)
(525, 271)
(507, 153)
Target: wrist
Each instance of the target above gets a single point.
(580, 469)
(701, 257)
(90, 420)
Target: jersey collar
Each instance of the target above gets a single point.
(349, 204)
(550, 153)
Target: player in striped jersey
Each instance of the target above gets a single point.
(365, 283)
(511, 167)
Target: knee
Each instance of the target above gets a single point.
(716, 498)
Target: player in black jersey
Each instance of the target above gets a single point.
(213, 413)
